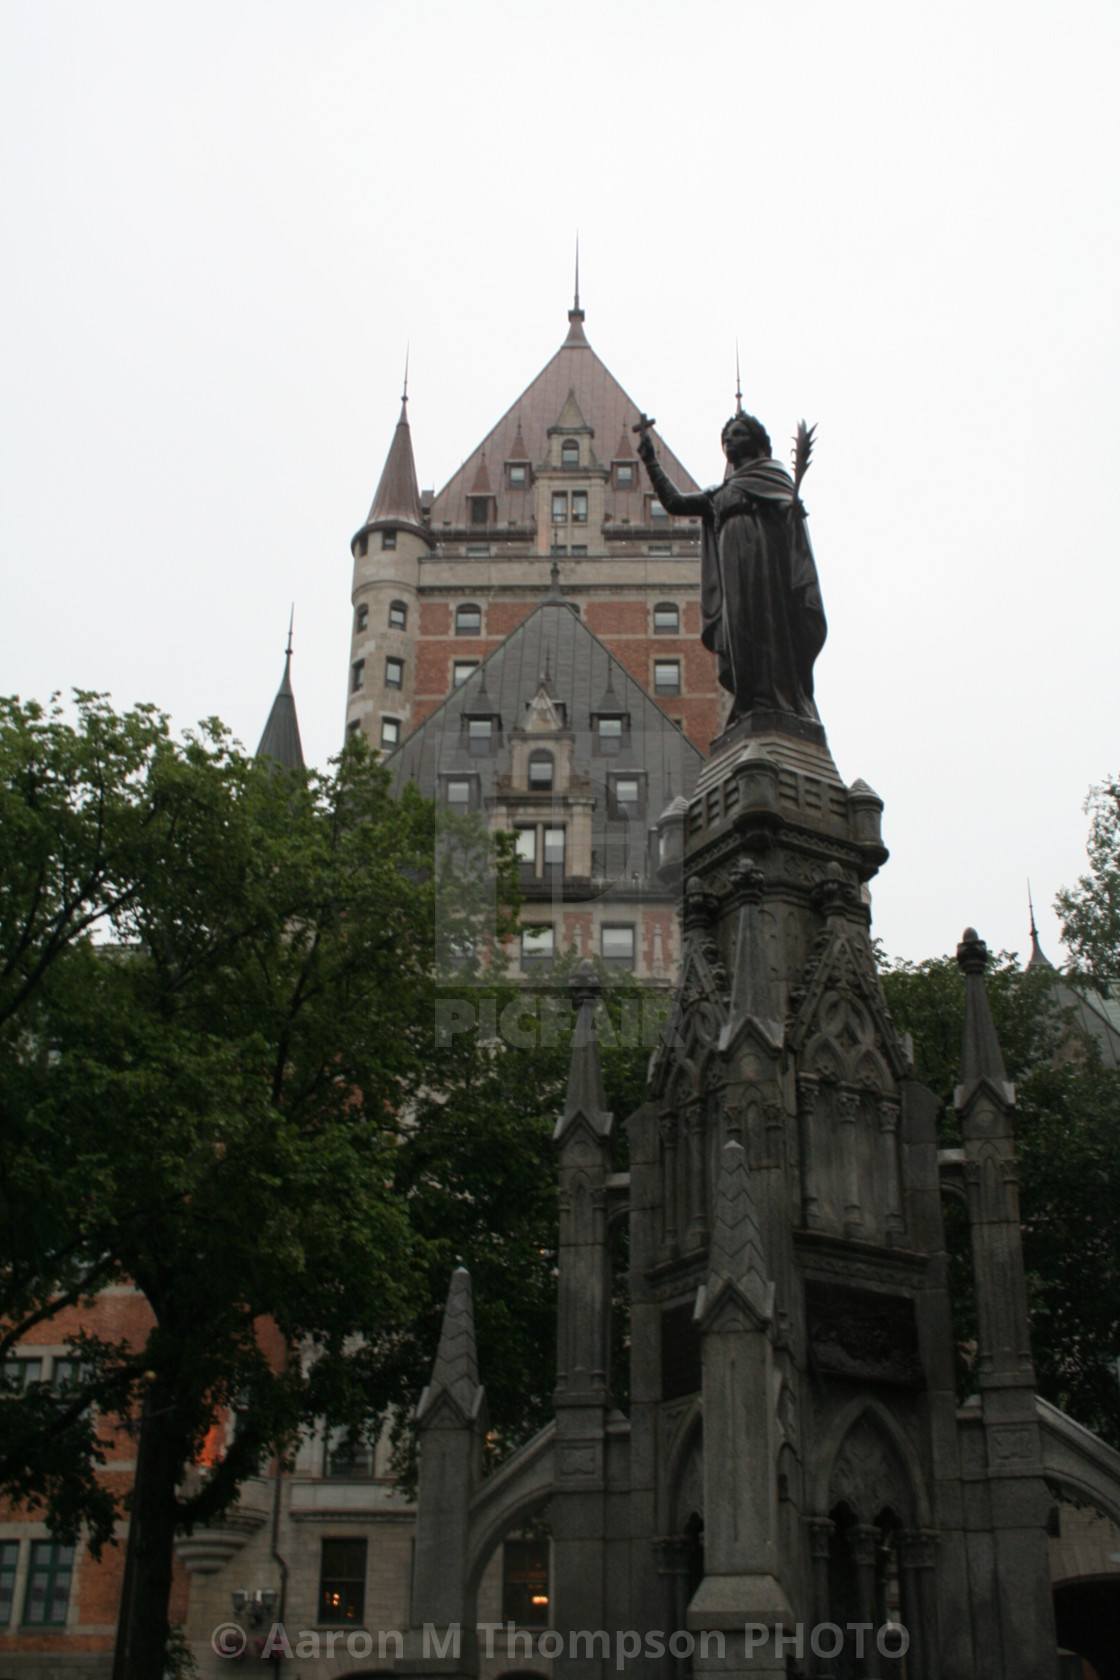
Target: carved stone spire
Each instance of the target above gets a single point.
(455, 1372)
(981, 1057)
(586, 1096)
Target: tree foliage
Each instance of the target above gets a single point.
(1090, 911)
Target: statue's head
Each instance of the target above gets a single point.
(745, 439)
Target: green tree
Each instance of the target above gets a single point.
(216, 996)
(1090, 911)
(1067, 1126)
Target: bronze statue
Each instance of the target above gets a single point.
(760, 600)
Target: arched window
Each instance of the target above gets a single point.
(541, 771)
(468, 620)
(666, 619)
(569, 453)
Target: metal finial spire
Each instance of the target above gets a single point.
(738, 382)
(1030, 903)
(404, 393)
(577, 269)
(291, 623)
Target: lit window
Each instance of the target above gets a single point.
(618, 947)
(569, 453)
(342, 1459)
(518, 477)
(394, 673)
(579, 507)
(627, 800)
(9, 1558)
(398, 615)
(48, 1584)
(537, 947)
(624, 477)
(656, 511)
(459, 793)
(361, 618)
(480, 733)
(468, 621)
(388, 539)
(559, 507)
(541, 768)
(526, 848)
(390, 731)
(554, 851)
(525, 1594)
(666, 676)
(666, 619)
(610, 735)
(357, 675)
(342, 1581)
(480, 510)
(461, 670)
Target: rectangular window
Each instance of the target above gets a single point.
(666, 676)
(23, 1372)
(666, 619)
(579, 548)
(388, 539)
(48, 1584)
(537, 947)
(478, 551)
(618, 947)
(342, 1581)
(353, 726)
(361, 618)
(480, 510)
(626, 796)
(517, 478)
(394, 673)
(480, 734)
(9, 1558)
(357, 676)
(656, 511)
(579, 507)
(554, 851)
(610, 735)
(526, 844)
(390, 731)
(624, 477)
(525, 1594)
(660, 548)
(559, 507)
(459, 793)
(468, 621)
(559, 548)
(461, 670)
(398, 615)
(342, 1460)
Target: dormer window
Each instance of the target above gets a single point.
(569, 453)
(480, 736)
(480, 509)
(609, 732)
(656, 512)
(468, 620)
(542, 769)
(518, 476)
(623, 476)
(579, 507)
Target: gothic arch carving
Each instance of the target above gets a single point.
(868, 1424)
(685, 1469)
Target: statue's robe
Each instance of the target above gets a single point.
(760, 598)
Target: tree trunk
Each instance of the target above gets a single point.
(143, 1627)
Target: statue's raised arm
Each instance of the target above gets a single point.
(760, 599)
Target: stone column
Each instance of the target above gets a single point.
(808, 1093)
(672, 1566)
(821, 1530)
(669, 1134)
(889, 1166)
(847, 1107)
(697, 1234)
(865, 1554)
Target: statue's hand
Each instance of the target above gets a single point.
(645, 443)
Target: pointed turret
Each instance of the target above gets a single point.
(397, 498)
(1038, 957)
(280, 740)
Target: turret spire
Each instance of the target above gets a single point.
(397, 501)
(280, 740)
(404, 393)
(576, 336)
(1038, 957)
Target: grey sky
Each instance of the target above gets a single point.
(221, 223)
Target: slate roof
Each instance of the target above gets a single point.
(604, 405)
(280, 740)
(581, 671)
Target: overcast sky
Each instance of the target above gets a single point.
(223, 222)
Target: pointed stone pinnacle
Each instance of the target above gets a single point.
(455, 1371)
(981, 1057)
(736, 1249)
(586, 1093)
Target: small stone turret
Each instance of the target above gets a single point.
(387, 552)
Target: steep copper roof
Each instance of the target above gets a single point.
(602, 404)
(397, 501)
(280, 740)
